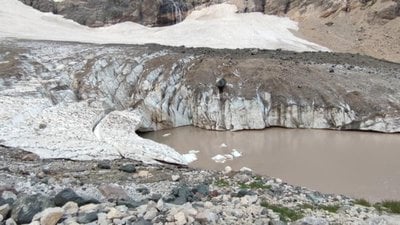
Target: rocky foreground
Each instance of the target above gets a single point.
(49, 192)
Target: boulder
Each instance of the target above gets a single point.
(28, 206)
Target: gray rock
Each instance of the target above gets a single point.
(150, 214)
(155, 197)
(179, 195)
(69, 195)
(87, 217)
(131, 203)
(71, 208)
(106, 165)
(5, 210)
(10, 221)
(26, 207)
(9, 201)
(143, 190)
(202, 189)
(128, 168)
(113, 192)
(9, 195)
(142, 221)
(51, 216)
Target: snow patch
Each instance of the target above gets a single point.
(217, 26)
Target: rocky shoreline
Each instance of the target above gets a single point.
(39, 191)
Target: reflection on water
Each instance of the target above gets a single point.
(357, 164)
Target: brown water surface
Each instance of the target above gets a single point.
(357, 164)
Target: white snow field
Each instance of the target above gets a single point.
(217, 26)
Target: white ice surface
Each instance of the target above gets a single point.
(217, 26)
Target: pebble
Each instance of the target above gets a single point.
(180, 218)
(10, 221)
(175, 177)
(87, 217)
(71, 208)
(128, 168)
(151, 214)
(114, 213)
(105, 165)
(51, 216)
(113, 192)
(4, 210)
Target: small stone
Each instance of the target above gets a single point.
(9, 195)
(150, 214)
(10, 221)
(208, 205)
(175, 177)
(143, 174)
(88, 208)
(203, 189)
(1, 218)
(245, 169)
(51, 216)
(87, 217)
(114, 213)
(277, 180)
(131, 203)
(102, 219)
(71, 208)
(128, 168)
(180, 218)
(105, 165)
(30, 157)
(143, 190)
(4, 210)
(70, 221)
(113, 192)
(155, 197)
(206, 217)
(160, 205)
(142, 221)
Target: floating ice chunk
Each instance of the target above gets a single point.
(223, 145)
(193, 151)
(227, 169)
(190, 157)
(219, 158)
(167, 134)
(245, 169)
(235, 153)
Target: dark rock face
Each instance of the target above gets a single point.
(378, 9)
(26, 207)
(68, 195)
(96, 13)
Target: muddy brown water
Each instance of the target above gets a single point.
(357, 164)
